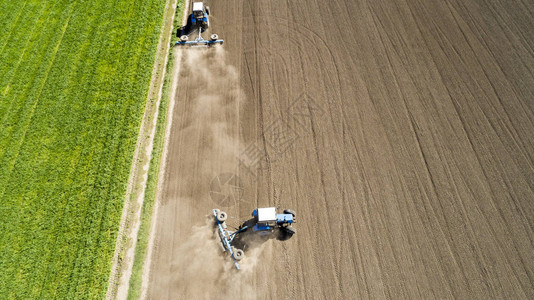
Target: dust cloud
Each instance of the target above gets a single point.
(209, 129)
(209, 144)
(204, 271)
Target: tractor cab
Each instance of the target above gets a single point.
(198, 10)
(267, 220)
(200, 16)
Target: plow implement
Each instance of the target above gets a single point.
(227, 237)
(199, 41)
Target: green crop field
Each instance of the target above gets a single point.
(74, 78)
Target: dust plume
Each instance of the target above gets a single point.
(210, 130)
(209, 144)
(203, 271)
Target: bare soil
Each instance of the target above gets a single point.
(401, 132)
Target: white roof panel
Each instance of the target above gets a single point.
(198, 6)
(267, 214)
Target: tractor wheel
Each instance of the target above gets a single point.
(208, 10)
(214, 37)
(286, 233)
(221, 216)
(290, 212)
(184, 38)
(289, 230)
(238, 254)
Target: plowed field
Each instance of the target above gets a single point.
(401, 132)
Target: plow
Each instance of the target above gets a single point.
(199, 41)
(227, 237)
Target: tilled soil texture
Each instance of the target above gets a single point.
(401, 132)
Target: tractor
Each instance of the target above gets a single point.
(197, 20)
(264, 224)
(200, 16)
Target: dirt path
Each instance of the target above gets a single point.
(400, 132)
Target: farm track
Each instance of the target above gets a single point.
(400, 132)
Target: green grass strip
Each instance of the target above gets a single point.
(155, 163)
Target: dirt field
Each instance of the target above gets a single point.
(401, 132)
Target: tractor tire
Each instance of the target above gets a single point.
(214, 37)
(208, 10)
(290, 212)
(286, 233)
(221, 216)
(184, 38)
(290, 230)
(238, 254)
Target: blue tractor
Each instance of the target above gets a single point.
(200, 16)
(265, 224)
(198, 20)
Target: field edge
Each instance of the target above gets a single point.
(137, 182)
(136, 278)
